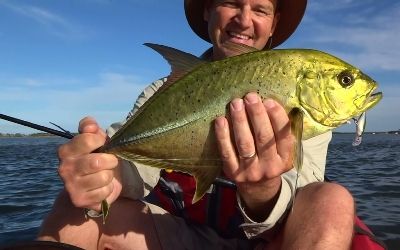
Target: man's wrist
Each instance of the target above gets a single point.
(258, 205)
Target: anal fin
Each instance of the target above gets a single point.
(204, 179)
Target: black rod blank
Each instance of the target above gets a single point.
(36, 126)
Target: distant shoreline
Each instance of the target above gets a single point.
(19, 135)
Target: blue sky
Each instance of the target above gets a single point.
(63, 60)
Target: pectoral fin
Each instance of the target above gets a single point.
(296, 117)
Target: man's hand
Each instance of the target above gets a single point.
(259, 152)
(89, 177)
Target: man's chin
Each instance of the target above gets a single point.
(225, 52)
(232, 53)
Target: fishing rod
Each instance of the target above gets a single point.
(66, 134)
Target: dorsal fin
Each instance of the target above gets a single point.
(181, 62)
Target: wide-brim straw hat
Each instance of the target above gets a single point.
(291, 13)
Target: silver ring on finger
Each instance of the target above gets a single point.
(248, 156)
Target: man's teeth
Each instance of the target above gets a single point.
(245, 37)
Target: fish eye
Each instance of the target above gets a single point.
(345, 79)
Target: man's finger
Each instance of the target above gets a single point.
(281, 126)
(97, 162)
(225, 146)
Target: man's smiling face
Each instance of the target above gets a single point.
(249, 22)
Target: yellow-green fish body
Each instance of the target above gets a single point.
(174, 128)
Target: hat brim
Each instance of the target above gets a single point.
(291, 13)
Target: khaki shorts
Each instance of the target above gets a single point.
(175, 233)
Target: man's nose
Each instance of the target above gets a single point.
(243, 17)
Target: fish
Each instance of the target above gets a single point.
(174, 129)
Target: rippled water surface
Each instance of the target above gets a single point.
(372, 173)
(29, 182)
(28, 185)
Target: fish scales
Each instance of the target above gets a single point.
(174, 129)
(203, 100)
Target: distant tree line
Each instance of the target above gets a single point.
(24, 135)
(11, 135)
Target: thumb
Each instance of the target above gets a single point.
(90, 125)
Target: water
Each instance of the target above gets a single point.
(29, 182)
(28, 185)
(371, 172)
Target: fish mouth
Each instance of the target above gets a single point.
(374, 96)
(372, 99)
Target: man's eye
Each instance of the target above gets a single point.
(261, 13)
(231, 4)
(264, 11)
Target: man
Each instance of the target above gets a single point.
(258, 159)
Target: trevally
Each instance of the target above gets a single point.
(174, 128)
